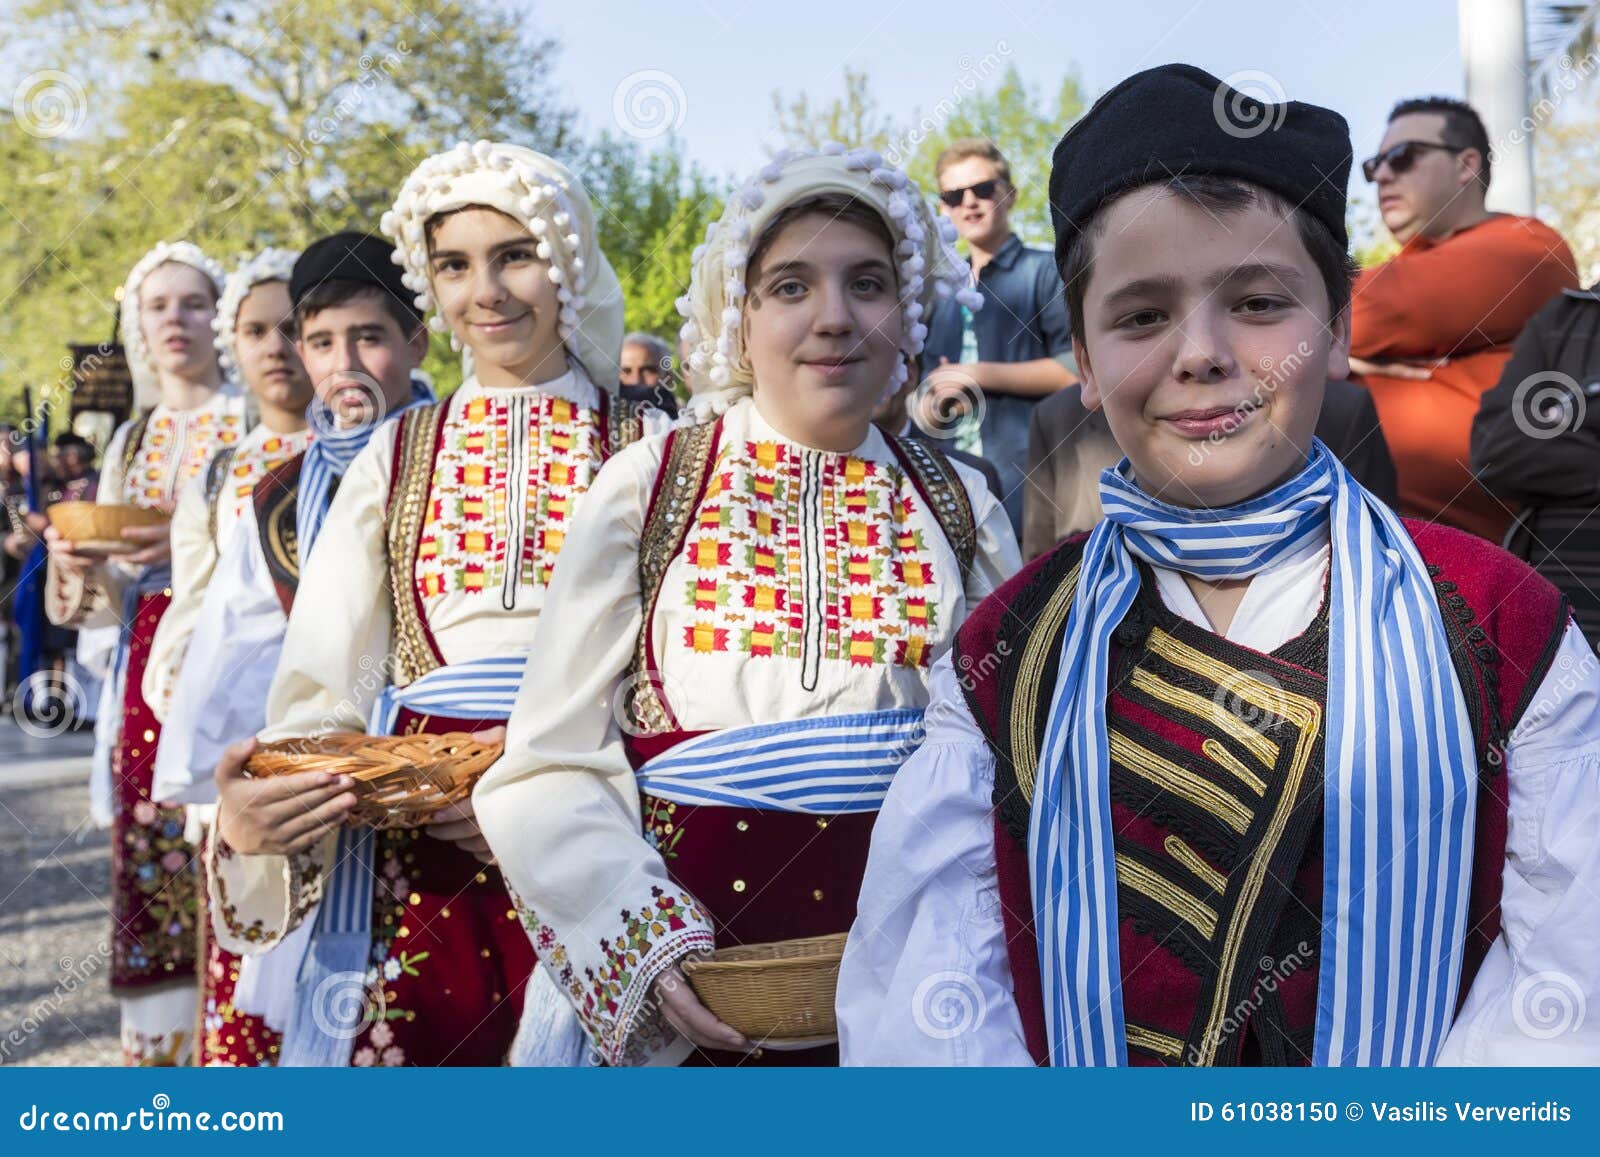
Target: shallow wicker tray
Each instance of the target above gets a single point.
(96, 528)
(775, 992)
(401, 780)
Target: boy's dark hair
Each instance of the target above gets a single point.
(71, 441)
(335, 292)
(1222, 196)
(1463, 127)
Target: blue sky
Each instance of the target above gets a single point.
(727, 56)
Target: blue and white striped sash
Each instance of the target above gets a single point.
(331, 978)
(1400, 781)
(823, 766)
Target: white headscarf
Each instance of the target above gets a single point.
(929, 266)
(146, 382)
(268, 265)
(551, 203)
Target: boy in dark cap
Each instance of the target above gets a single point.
(1229, 780)
(361, 340)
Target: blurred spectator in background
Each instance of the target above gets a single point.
(647, 371)
(1016, 350)
(1432, 327)
(1536, 441)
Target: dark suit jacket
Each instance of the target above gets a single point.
(1069, 445)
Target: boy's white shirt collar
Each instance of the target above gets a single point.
(1279, 603)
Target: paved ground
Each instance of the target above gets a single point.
(55, 1004)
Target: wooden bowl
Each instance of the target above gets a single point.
(96, 528)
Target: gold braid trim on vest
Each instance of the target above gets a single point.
(415, 440)
(681, 481)
(937, 481)
(216, 479)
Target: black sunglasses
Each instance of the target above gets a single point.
(983, 190)
(1401, 157)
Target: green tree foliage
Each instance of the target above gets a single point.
(652, 209)
(989, 98)
(235, 123)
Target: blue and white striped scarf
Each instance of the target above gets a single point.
(828, 765)
(1401, 772)
(329, 456)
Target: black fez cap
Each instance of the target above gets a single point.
(363, 258)
(1179, 119)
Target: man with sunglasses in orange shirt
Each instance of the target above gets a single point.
(997, 363)
(1432, 327)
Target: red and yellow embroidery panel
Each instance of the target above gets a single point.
(508, 474)
(770, 514)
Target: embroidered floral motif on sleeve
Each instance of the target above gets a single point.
(613, 1000)
(174, 449)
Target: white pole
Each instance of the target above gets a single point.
(1494, 55)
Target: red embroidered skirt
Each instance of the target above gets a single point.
(154, 878)
(761, 876)
(450, 959)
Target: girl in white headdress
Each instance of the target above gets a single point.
(416, 613)
(254, 336)
(188, 410)
(736, 647)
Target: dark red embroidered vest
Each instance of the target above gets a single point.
(1216, 787)
(276, 501)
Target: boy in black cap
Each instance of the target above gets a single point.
(1229, 779)
(361, 340)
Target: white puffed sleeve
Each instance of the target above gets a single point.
(93, 599)
(925, 978)
(333, 666)
(1536, 999)
(335, 655)
(221, 693)
(194, 557)
(561, 806)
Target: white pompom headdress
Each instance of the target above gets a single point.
(929, 266)
(146, 383)
(268, 265)
(551, 204)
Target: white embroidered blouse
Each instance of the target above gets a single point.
(510, 469)
(810, 584)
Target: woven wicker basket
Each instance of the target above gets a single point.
(773, 992)
(96, 528)
(401, 780)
